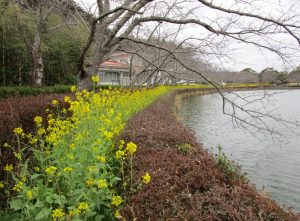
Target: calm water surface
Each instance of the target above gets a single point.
(270, 162)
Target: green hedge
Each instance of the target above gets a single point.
(27, 91)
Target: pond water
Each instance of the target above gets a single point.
(272, 163)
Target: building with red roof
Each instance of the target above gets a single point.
(114, 72)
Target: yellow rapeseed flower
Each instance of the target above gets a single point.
(131, 148)
(116, 200)
(120, 154)
(73, 88)
(83, 206)
(36, 169)
(72, 146)
(57, 214)
(70, 156)
(67, 99)
(41, 131)
(33, 140)
(146, 178)
(92, 169)
(1, 184)
(38, 120)
(68, 169)
(18, 130)
(74, 212)
(55, 102)
(90, 182)
(108, 135)
(29, 194)
(18, 187)
(102, 183)
(51, 170)
(95, 79)
(8, 167)
(100, 158)
(118, 214)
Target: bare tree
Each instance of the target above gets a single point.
(237, 21)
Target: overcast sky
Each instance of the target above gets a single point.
(245, 55)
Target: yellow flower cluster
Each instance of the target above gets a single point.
(38, 120)
(68, 169)
(8, 167)
(101, 159)
(146, 178)
(90, 182)
(19, 131)
(51, 170)
(73, 88)
(57, 214)
(83, 206)
(102, 184)
(82, 138)
(95, 79)
(18, 187)
(120, 154)
(55, 102)
(116, 200)
(131, 148)
(29, 194)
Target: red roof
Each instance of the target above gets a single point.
(121, 55)
(114, 65)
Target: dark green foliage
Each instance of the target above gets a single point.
(60, 47)
(26, 91)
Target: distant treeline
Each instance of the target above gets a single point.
(268, 75)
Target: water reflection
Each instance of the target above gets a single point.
(272, 163)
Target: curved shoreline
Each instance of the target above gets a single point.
(187, 186)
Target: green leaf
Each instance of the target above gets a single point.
(39, 204)
(16, 204)
(99, 217)
(115, 179)
(35, 175)
(59, 198)
(49, 199)
(43, 213)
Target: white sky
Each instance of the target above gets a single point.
(246, 55)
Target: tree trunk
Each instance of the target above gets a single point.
(99, 53)
(37, 72)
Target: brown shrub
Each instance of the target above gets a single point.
(20, 111)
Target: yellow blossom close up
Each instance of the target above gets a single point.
(116, 200)
(146, 178)
(57, 214)
(131, 148)
(95, 79)
(29, 194)
(102, 183)
(55, 102)
(8, 167)
(83, 206)
(51, 170)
